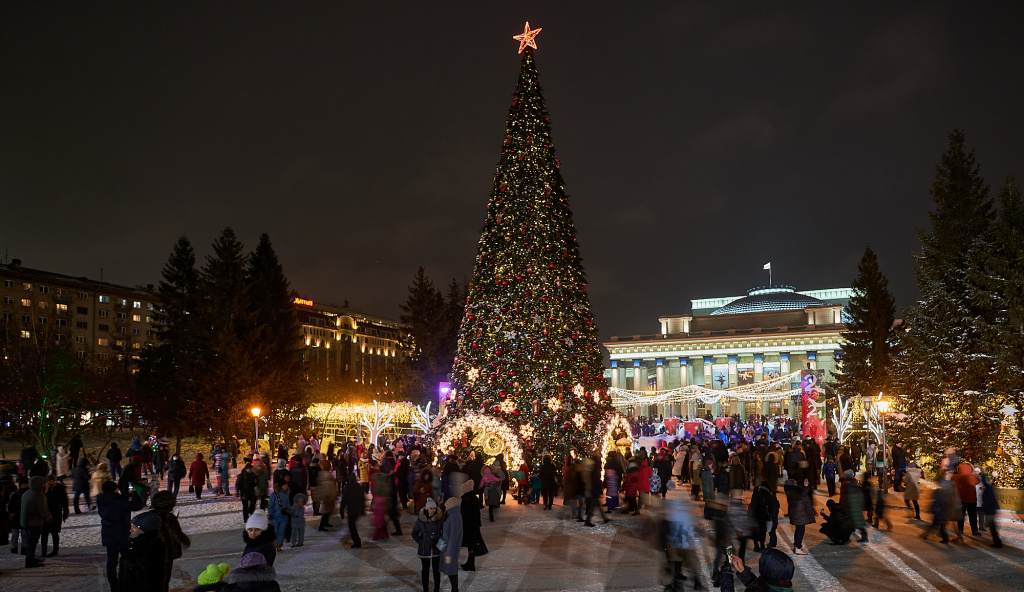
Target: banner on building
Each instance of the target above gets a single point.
(812, 417)
(771, 370)
(744, 374)
(720, 376)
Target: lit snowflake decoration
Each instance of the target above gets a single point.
(473, 374)
(527, 431)
(510, 334)
(538, 384)
(554, 404)
(537, 318)
(579, 420)
(578, 391)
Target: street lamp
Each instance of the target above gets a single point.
(883, 407)
(256, 422)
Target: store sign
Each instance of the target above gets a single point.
(303, 302)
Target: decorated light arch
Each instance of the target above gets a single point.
(493, 435)
(609, 431)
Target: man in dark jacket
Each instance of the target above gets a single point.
(34, 513)
(29, 454)
(353, 501)
(245, 487)
(74, 449)
(899, 464)
(115, 511)
(300, 476)
(142, 563)
(14, 510)
(80, 484)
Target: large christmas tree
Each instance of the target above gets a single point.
(528, 375)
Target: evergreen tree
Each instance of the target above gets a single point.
(868, 340)
(274, 336)
(944, 373)
(423, 319)
(170, 376)
(528, 353)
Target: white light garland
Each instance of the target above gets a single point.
(761, 391)
(422, 419)
(843, 417)
(380, 420)
(455, 429)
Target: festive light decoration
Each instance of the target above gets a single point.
(843, 417)
(527, 431)
(874, 420)
(527, 38)
(578, 391)
(380, 420)
(527, 337)
(752, 393)
(579, 420)
(612, 429)
(449, 434)
(1009, 472)
(422, 419)
(352, 413)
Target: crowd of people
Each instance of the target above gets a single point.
(447, 497)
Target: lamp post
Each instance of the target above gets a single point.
(883, 407)
(256, 422)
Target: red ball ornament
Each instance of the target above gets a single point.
(515, 412)
(502, 394)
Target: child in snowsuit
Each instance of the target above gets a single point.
(298, 519)
(278, 512)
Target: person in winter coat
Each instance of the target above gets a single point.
(451, 533)
(300, 476)
(989, 507)
(254, 574)
(663, 467)
(34, 514)
(911, 490)
(176, 471)
(801, 512)
(966, 483)
(57, 502)
(762, 513)
(142, 563)
(75, 448)
(199, 473)
(100, 476)
(245, 487)
(472, 539)
(80, 484)
(279, 512)
(776, 569)
(114, 456)
(851, 498)
(261, 537)
(548, 481)
(837, 526)
(262, 472)
(353, 501)
(570, 489)
(422, 490)
(492, 490)
(696, 464)
(62, 470)
(327, 494)
(298, 519)
(643, 485)
(174, 539)
(427, 532)
(943, 504)
(707, 484)
(115, 511)
(14, 511)
(829, 470)
(677, 538)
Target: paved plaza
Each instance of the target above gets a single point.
(535, 550)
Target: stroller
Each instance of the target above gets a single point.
(837, 525)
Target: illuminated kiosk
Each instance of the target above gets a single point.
(728, 343)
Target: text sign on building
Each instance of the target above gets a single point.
(303, 302)
(442, 392)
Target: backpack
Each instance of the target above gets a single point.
(655, 483)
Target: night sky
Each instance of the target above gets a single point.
(696, 143)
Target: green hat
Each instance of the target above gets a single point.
(213, 574)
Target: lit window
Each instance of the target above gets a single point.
(136, 304)
(26, 286)
(26, 302)
(122, 302)
(103, 298)
(44, 305)
(62, 307)
(103, 342)
(26, 334)
(119, 343)
(137, 318)
(136, 345)
(149, 306)
(104, 314)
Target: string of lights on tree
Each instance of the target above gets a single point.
(528, 356)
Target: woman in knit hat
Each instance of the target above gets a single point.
(253, 575)
(260, 537)
(426, 533)
(142, 564)
(173, 537)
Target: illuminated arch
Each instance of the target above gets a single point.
(489, 430)
(604, 439)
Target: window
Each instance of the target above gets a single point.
(149, 333)
(136, 304)
(61, 291)
(122, 316)
(58, 337)
(122, 330)
(26, 286)
(119, 342)
(103, 298)
(79, 339)
(8, 283)
(62, 322)
(103, 328)
(103, 342)
(82, 310)
(44, 289)
(26, 302)
(136, 318)
(83, 295)
(80, 355)
(136, 345)
(8, 316)
(44, 305)
(122, 302)
(136, 331)
(81, 325)
(25, 334)
(149, 306)
(42, 320)
(149, 319)
(26, 318)
(62, 307)
(104, 313)
(103, 356)
(8, 299)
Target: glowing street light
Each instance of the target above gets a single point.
(883, 408)
(256, 422)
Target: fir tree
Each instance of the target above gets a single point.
(423, 319)
(868, 339)
(274, 337)
(528, 352)
(944, 371)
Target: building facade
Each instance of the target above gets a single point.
(730, 342)
(345, 345)
(106, 325)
